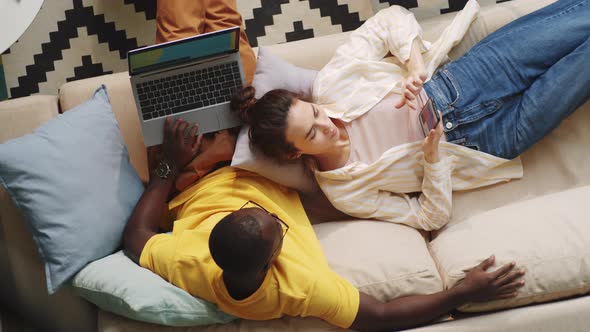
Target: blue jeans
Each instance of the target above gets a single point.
(516, 85)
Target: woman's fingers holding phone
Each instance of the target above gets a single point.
(439, 127)
(430, 147)
(430, 144)
(437, 132)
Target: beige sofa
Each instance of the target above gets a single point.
(538, 221)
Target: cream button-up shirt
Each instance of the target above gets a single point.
(356, 79)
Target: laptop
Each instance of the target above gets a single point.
(192, 78)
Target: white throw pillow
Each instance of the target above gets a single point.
(548, 237)
(275, 73)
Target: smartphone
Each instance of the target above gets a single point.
(428, 117)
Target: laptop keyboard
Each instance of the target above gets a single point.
(187, 91)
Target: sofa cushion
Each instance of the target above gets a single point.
(74, 184)
(382, 259)
(21, 115)
(272, 73)
(74, 93)
(117, 284)
(547, 237)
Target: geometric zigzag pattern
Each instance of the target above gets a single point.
(76, 39)
(79, 16)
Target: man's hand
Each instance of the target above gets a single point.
(481, 286)
(212, 151)
(219, 148)
(411, 89)
(430, 144)
(413, 310)
(180, 147)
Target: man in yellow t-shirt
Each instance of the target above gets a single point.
(228, 249)
(212, 252)
(245, 244)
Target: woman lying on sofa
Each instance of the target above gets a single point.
(245, 243)
(362, 129)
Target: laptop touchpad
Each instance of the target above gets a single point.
(207, 120)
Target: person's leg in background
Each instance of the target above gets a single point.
(179, 19)
(223, 14)
(184, 18)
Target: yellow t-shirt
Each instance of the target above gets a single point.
(300, 282)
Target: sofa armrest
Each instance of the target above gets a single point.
(22, 115)
(22, 279)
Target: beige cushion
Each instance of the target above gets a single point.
(381, 259)
(121, 97)
(21, 115)
(547, 236)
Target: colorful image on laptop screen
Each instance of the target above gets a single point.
(183, 51)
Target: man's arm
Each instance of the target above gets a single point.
(411, 311)
(178, 148)
(145, 219)
(404, 312)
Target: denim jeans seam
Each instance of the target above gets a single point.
(458, 141)
(563, 12)
(446, 72)
(463, 140)
(493, 104)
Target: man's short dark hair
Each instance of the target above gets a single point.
(237, 245)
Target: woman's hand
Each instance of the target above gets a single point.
(481, 286)
(430, 144)
(411, 89)
(180, 147)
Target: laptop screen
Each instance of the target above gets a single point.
(183, 50)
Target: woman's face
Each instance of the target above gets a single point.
(310, 129)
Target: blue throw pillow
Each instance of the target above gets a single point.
(116, 284)
(73, 181)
